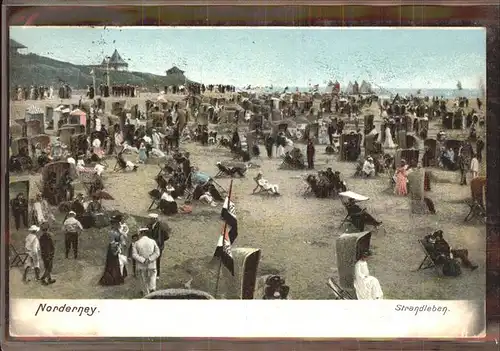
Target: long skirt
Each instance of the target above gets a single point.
(168, 207)
(112, 272)
(401, 188)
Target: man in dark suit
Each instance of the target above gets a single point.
(20, 210)
(159, 232)
(47, 252)
(479, 148)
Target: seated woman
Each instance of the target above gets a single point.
(208, 199)
(440, 250)
(81, 215)
(167, 204)
(368, 169)
(264, 184)
(97, 151)
(94, 209)
(66, 188)
(367, 287)
(56, 151)
(324, 187)
(43, 159)
(448, 160)
(125, 165)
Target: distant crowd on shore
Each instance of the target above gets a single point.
(33, 93)
(198, 89)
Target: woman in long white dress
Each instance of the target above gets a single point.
(388, 143)
(367, 287)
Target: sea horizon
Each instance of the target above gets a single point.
(387, 92)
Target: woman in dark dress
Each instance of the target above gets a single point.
(112, 272)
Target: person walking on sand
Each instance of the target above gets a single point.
(47, 250)
(474, 166)
(160, 233)
(310, 154)
(72, 228)
(269, 146)
(145, 252)
(32, 247)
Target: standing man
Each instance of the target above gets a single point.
(462, 164)
(310, 154)
(47, 252)
(20, 210)
(32, 246)
(479, 148)
(160, 233)
(146, 252)
(72, 228)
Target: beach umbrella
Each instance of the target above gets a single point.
(200, 177)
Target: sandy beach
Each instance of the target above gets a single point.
(296, 234)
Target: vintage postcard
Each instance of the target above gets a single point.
(315, 167)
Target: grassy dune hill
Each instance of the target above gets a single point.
(26, 70)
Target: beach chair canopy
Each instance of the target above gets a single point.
(354, 196)
(349, 247)
(179, 294)
(77, 112)
(200, 177)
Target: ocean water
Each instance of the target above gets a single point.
(386, 93)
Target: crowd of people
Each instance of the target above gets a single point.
(144, 249)
(33, 93)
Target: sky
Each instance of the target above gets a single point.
(405, 58)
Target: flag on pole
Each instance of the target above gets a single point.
(92, 72)
(229, 235)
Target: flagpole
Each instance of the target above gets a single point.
(93, 80)
(224, 228)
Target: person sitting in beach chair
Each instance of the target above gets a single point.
(359, 217)
(167, 204)
(441, 252)
(229, 171)
(123, 165)
(334, 178)
(367, 287)
(317, 187)
(368, 168)
(264, 186)
(294, 159)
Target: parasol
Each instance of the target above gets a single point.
(200, 177)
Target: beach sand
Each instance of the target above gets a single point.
(296, 234)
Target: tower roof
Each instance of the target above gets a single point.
(175, 70)
(16, 45)
(116, 59)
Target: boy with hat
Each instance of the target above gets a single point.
(71, 227)
(32, 246)
(47, 252)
